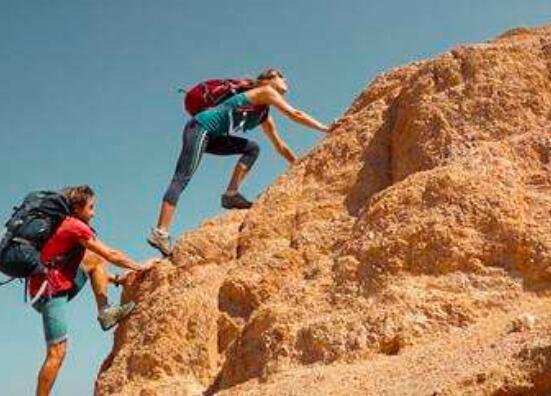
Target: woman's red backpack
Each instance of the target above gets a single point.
(211, 93)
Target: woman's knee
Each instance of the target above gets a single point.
(177, 185)
(251, 154)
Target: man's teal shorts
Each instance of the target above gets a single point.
(53, 310)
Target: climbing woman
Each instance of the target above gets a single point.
(211, 131)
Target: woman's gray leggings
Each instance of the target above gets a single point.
(196, 141)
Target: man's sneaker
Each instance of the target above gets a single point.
(235, 201)
(110, 316)
(160, 240)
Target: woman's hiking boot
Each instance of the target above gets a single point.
(235, 201)
(160, 240)
(111, 315)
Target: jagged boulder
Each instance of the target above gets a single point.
(393, 259)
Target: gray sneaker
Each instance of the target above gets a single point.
(160, 240)
(235, 201)
(111, 315)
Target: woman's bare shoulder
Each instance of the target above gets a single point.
(263, 94)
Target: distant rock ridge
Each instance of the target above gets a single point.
(409, 253)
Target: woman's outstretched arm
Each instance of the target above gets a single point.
(267, 95)
(270, 129)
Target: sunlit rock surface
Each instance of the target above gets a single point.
(409, 253)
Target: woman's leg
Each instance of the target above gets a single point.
(239, 172)
(231, 145)
(166, 214)
(194, 142)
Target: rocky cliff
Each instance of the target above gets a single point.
(409, 253)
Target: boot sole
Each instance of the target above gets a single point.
(236, 207)
(154, 246)
(118, 321)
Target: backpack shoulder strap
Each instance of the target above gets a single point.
(265, 113)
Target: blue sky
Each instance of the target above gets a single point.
(88, 95)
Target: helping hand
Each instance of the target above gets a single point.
(129, 276)
(125, 279)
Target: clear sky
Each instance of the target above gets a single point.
(88, 95)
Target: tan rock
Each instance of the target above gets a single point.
(393, 259)
(523, 322)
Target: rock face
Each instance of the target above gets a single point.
(409, 253)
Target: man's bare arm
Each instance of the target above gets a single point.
(116, 257)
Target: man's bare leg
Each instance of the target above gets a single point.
(94, 266)
(55, 354)
(108, 316)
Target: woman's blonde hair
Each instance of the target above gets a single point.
(268, 74)
(78, 196)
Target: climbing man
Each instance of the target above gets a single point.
(69, 256)
(210, 130)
